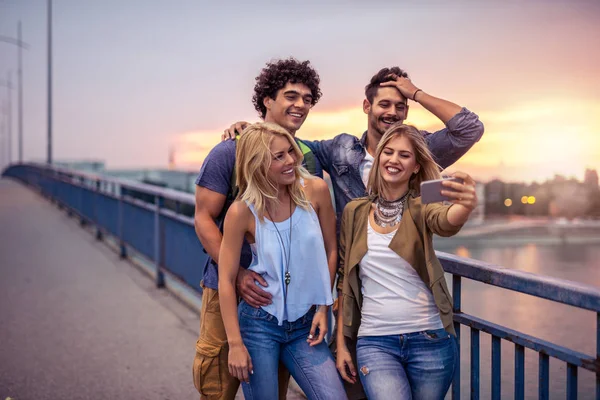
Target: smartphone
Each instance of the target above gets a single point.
(431, 191)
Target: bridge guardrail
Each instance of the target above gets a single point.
(138, 216)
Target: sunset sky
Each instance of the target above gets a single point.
(134, 78)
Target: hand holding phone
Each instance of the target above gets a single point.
(431, 191)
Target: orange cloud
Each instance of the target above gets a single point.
(192, 147)
(523, 142)
(536, 140)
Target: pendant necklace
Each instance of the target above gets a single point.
(286, 254)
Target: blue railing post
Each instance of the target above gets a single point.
(571, 382)
(71, 189)
(519, 372)
(456, 283)
(51, 190)
(474, 364)
(122, 247)
(97, 195)
(496, 368)
(158, 242)
(82, 220)
(544, 377)
(59, 182)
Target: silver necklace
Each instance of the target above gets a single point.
(389, 213)
(286, 254)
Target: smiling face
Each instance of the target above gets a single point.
(290, 106)
(398, 162)
(388, 107)
(284, 160)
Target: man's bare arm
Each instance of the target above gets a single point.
(443, 109)
(209, 205)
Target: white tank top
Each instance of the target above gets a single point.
(310, 282)
(395, 298)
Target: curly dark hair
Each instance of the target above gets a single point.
(276, 74)
(384, 75)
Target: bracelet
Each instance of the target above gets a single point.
(415, 93)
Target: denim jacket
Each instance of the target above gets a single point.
(342, 155)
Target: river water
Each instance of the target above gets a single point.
(574, 256)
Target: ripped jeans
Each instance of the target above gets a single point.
(417, 366)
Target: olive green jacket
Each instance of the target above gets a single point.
(412, 241)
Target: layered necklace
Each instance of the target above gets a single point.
(389, 213)
(287, 252)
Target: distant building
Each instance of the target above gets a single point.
(590, 178)
(171, 159)
(495, 194)
(478, 214)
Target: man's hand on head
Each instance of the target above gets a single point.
(250, 291)
(234, 130)
(403, 84)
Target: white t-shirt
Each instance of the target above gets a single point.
(365, 167)
(395, 298)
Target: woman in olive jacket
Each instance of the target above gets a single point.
(395, 301)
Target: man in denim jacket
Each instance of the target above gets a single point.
(348, 159)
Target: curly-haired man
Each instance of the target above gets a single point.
(284, 94)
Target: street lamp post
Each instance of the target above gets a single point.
(20, 92)
(49, 160)
(8, 116)
(2, 134)
(20, 46)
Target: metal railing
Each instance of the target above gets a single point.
(566, 292)
(149, 220)
(141, 217)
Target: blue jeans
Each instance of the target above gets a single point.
(313, 368)
(418, 365)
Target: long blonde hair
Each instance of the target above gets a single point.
(428, 170)
(253, 160)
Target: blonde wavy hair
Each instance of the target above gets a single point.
(253, 160)
(428, 170)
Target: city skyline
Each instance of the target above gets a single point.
(134, 80)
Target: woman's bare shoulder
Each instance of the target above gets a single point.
(238, 211)
(316, 184)
(317, 190)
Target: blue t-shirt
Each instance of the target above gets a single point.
(215, 175)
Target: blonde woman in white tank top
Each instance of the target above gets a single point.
(287, 216)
